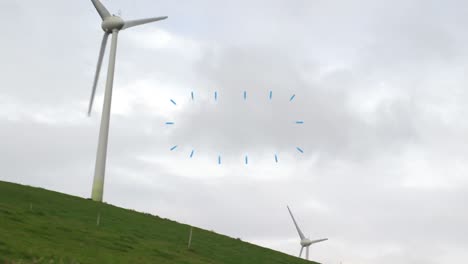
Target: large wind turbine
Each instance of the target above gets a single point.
(305, 242)
(111, 24)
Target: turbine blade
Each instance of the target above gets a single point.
(101, 9)
(301, 235)
(300, 253)
(134, 23)
(98, 71)
(318, 240)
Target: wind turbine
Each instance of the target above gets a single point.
(111, 24)
(305, 242)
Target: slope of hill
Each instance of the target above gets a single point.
(40, 226)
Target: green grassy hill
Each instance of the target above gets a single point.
(59, 228)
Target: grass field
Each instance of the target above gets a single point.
(40, 226)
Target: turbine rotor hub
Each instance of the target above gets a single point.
(112, 23)
(306, 242)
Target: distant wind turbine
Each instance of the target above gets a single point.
(111, 24)
(305, 242)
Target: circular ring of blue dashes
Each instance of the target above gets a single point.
(275, 156)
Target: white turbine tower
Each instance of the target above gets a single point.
(305, 242)
(111, 24)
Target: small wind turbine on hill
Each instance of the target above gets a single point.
(111, 24)
(305, 242)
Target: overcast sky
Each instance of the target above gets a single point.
(380, 85)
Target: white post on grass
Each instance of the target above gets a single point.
(98, 221)
(190, 237)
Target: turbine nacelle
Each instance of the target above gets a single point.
(306, 242)
(109, 24)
